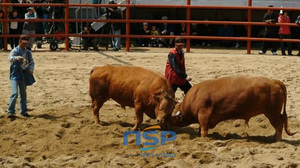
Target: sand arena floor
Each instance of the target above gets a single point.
(62, 133)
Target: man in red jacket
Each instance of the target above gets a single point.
(284, 32)
(175, 68)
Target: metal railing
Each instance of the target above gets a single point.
(128, 21)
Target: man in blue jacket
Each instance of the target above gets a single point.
(21, 62)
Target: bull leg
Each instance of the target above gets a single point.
(276, 122)
(203, 121)
(96, 108)
(139, 116)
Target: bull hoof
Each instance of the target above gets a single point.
(97, 123)
(135, 128)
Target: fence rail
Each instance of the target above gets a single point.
(129, 21)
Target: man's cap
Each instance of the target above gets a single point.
(164, 18)
(24, 38)
(30, 8)
(111, 2)
(145, 23)
(179, 41)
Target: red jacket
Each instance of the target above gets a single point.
(175, 70)
(284, 29)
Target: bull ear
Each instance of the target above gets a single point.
(157, 96)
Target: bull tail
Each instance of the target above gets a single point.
(284, 115)
(90, 90)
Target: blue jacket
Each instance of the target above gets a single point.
(17, 71)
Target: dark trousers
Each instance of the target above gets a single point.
(13, 41)
(267, 44)
(283, 44)
(185, 88)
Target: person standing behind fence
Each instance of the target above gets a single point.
(1, 30)
(284, 32)
(115, 13)
(270, 32)
(14, 29)
(47, 14)
(22, 11)
(175, 68)
(298, 22)
(29, 27)
(40, 14)
(166, 29)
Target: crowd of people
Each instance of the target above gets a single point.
(20, 12)
(282, 32)
(165, 29)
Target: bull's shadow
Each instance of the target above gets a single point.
(257, 138)
(125, 124)
(47, 116)
(194, 133)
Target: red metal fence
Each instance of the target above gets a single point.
(128, 20)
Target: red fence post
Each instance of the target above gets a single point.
(67, 25)
(249, 27)
(188, 28)
(127, 26)
(5, 31)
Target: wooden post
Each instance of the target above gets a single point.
(249, 27)
(5, 25)
(127, 26)
(67, 25)
(188, 28)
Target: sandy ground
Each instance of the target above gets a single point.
(62, 132)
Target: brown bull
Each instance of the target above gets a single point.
(145, 90)
(239, 97)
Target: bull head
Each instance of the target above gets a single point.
(164, 105)
(176, 118)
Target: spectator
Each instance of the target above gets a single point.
(29, 27)
(155, 32)
(284, 32)
(181, 29)
(1, 30)
(240, 31)
(115, 13)
(47, 14)
(14, 29)
(144, 31)
(206, 30)
(166, 29)
(175, 68)
(22, 11)
(195, 31)
(21, 64)
(270, 32)
(226, 31)
(298, 22)
(40, 14)
(89, 41)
